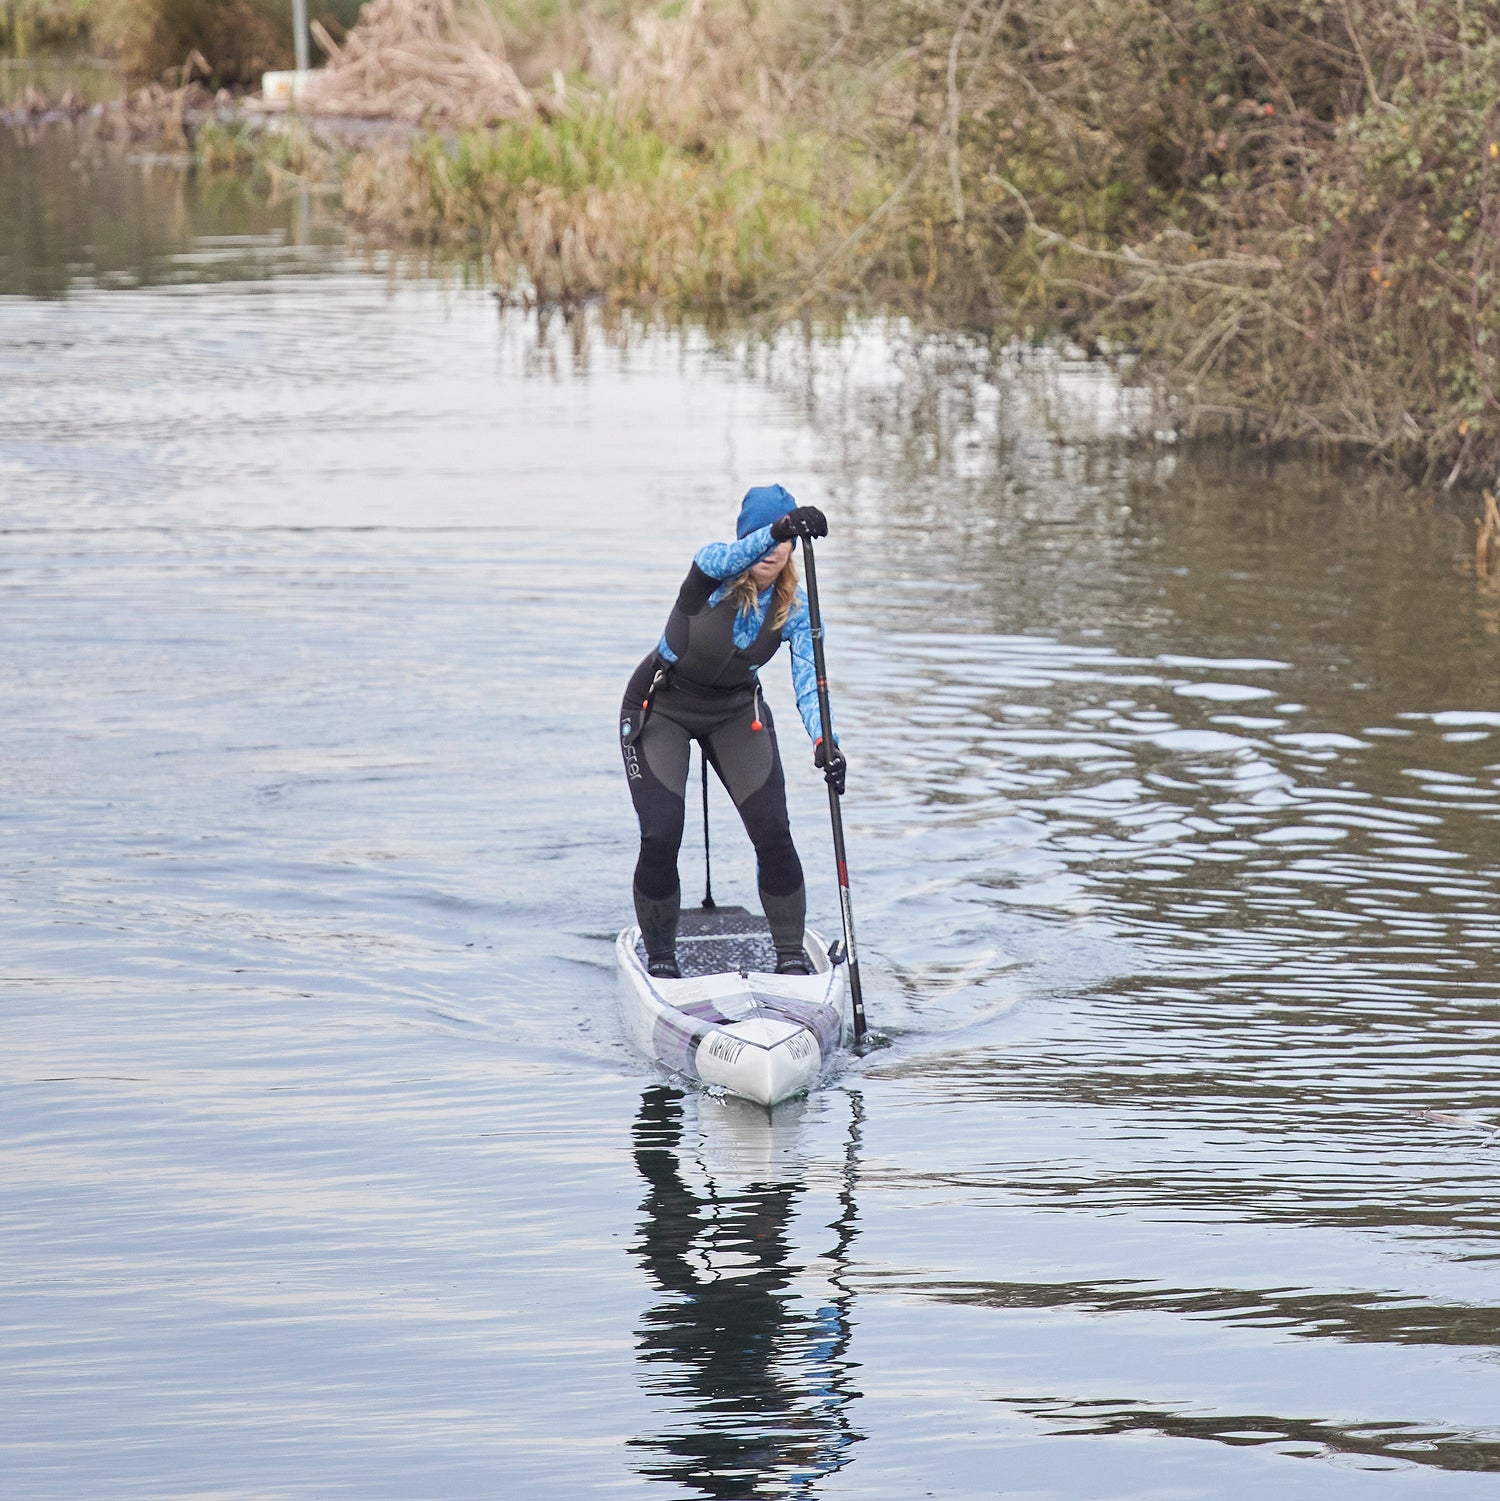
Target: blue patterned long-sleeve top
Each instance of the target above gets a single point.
(727, 561)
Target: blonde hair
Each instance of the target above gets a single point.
(746, 596)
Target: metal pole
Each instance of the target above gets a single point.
(825, 721)
(299, 33)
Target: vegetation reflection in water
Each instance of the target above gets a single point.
(81, 211)
(760, 1381)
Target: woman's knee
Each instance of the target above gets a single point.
(661, 845)
(656, 866)
(765, 818)
(780, 870)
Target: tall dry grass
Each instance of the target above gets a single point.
(664, 161)
(418, 61)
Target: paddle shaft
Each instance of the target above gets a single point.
(825, 721)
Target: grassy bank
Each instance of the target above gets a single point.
(569, 209)
(597, 205)
(1291, 211)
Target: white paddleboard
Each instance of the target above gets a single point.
(729, 1022)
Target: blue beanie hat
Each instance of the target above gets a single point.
(761, 506)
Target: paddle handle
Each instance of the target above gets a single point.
(835, 813)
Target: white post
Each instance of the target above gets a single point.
(299, 32)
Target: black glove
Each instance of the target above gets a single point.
(832, 764)
(805, 521)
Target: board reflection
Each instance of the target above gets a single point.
(747, 1348)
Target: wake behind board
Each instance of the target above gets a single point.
(731, 1021)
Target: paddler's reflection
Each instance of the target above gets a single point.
(748, 1348)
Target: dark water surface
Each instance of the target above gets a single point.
(326, 1172)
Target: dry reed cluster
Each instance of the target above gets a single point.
(415, 60)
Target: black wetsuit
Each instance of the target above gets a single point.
(710, 694)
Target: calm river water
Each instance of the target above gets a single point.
(1174, 824)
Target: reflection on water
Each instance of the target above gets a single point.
(79, 210)
(1384, 1444)
(89, 79)
(756, 1375)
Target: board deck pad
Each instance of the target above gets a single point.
(721, 940)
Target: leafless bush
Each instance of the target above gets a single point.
(1291, 208)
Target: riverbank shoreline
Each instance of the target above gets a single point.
(592, 195)
(1294, 227)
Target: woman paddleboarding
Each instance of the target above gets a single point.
(738, 603)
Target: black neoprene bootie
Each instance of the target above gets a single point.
(787, 916)
(658, 919)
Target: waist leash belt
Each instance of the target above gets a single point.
(633, 720)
